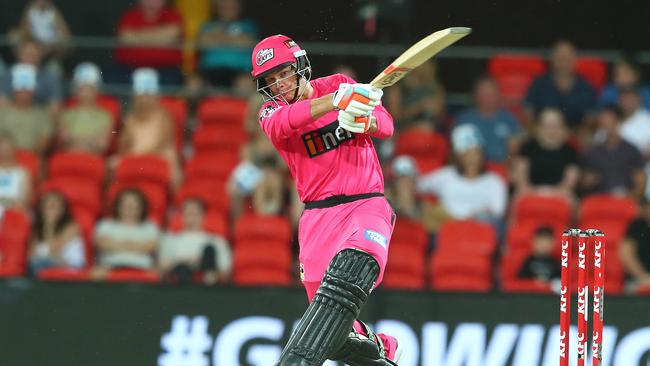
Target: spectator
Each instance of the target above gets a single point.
(541, 265)
(613, 166)
(160, 30)
(86, 126)
(562, 88)
(15, 180)
(634, 251)
(48, 87)
(418, 101)
(148, 127)
(466, 190)
(43, 22)
(403, 188)
(625, 74)
(499, 128)
(128, 239)
(547, 163)
(194, 250)
(227, 42)
(636, 120)
(29, 124)
(56, 238)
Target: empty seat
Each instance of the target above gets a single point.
(593, 70)
(78, 165)
(14, 235)
(603, 207)
(251, 227)
(514, 74)
(429, 149)
(461, 273)
(218, 139)
(550, 210)
(222, 110)
(259, 263)
(406, 262)
(143, 168)
(210, 166)
(466, 237)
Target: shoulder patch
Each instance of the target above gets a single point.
(267, 112)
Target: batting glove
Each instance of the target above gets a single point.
(357, 99)
(352, 123)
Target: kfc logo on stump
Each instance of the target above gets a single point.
(263, 56)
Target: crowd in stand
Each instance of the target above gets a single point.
(161, 205)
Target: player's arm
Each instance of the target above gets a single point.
(381, 123)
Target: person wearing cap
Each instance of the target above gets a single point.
(547, 163)
(86, 126)
(403, 188)
(466, 190)
(148, 127)
(29, 124)
(636, 119)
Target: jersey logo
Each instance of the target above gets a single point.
(263, 55)
(325, 139)
(376, 237)
(267, 112)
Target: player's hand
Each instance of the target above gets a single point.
(357, 99)
(355, 124)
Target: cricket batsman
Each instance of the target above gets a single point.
(322, 128)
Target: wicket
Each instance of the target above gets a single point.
(588, 241)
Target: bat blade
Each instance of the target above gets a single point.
(418, 54)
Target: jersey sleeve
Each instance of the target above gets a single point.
(279, 122)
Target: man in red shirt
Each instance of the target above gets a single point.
(159, 30)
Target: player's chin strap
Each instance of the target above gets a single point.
(325, 326)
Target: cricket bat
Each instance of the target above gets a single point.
(417, 54)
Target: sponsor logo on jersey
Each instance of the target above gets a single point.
(325, 139)
(263, 55)
(376, 237)
(267, 112)
(290, 43)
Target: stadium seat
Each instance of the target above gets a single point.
(82, 166)
(429, 149)
(108, 103)
(519, 234)
(212, 193)
(499, 169)
(251, 227)
(155, 194)
(603, 207)
(514, 74)
(177, 108)
(511, 264)
(132, 275)
(83, 198)
(210, 166)
(14, 236)
(143, 168)
(223, 110)
(218, 139)
(64, 274)
(593, 70)
(262, 263)
(549, 210)
(31, 163)
(214, 222)
(406, 262)
(466, 237)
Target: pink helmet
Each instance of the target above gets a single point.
(274, 52)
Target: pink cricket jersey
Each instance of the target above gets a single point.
(324, 159)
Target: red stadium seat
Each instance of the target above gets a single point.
(605, 207)
(108, 103)
(429, 149)
(155, 194)
(410, 233)
(143, 168)
(214, 222)
(550, 210)
(593, 70)
(514, 74)
(223, 110)
(219, 139)
(64, 274)
(251, 227)
(466, 237)
(31, 162)
(212, 193)
(14, 235)
(406, 262)
(262, 263)
(133, 275)
(86, 167)
(511, 264)
(499, 169)
(519, 235)
(210, 166)
(83, 198)
(177, 109)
